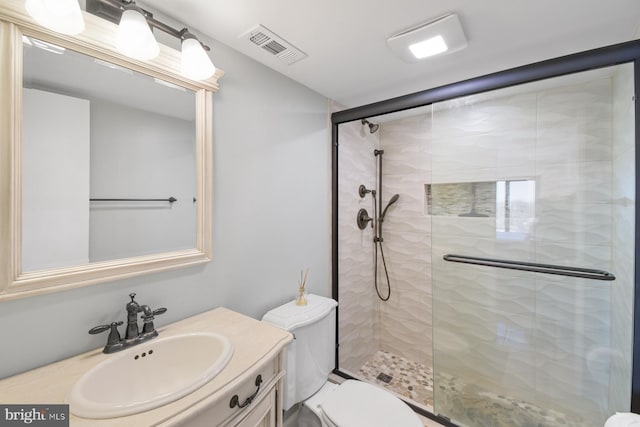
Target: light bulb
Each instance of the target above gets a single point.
(62, 16)
(196, 64)
(135, 38)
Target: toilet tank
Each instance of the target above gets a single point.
(310, 357)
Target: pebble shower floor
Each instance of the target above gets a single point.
(460, 401)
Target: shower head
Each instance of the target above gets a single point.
(393, 199)
(373, 127)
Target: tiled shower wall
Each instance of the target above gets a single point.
(405, 319)
(358, 320)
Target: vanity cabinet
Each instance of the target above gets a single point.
(264, 411)
(258, 351)
(261, 406)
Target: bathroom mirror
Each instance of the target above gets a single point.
(108, 161)
(105, 161)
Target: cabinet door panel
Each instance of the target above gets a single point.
(263, 414)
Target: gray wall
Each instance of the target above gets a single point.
(147, 155)
(271, 218)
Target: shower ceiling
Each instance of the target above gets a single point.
(349, 60)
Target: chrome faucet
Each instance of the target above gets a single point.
(133, 336)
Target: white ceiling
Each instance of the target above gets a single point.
(350, 62)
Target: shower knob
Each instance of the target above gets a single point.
(363, 219)
(362, 191)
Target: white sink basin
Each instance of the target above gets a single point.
(149, 375)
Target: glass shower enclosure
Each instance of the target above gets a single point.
(509, 252)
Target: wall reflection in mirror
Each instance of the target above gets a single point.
(92, 131)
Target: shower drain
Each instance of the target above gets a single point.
(384, 377)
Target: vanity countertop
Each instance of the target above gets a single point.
(253, 342)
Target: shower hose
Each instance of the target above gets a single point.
(377, 241)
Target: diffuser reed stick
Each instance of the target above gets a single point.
(302, 295)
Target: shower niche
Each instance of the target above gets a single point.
(511, 203)
(540, 173)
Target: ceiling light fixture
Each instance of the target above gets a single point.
(429, 47)
(61, 16)
(441, 35)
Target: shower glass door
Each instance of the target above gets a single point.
(542, 173)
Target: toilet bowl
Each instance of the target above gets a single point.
(355, 403)
(309, 360)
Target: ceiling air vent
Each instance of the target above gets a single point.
(274, 44)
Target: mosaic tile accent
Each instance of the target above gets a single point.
(462, 199)
(409, 379)
(471, 405)
(465, 404)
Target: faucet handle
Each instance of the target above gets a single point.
(149, 315)
(148, 320)
(114, 335)
(160, 310)
(103, 328)
(99, 329)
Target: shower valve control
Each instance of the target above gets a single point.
(362, 191)
(363, 219)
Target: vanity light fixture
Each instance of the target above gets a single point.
(62, 16)
(135, 38)
(441, 35)
(134, 34)
(196, 64)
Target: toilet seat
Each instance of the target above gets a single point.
(356, 403)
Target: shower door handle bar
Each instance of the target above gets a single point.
(170, 200)
(560, 270)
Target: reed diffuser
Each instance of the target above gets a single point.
(302, 294)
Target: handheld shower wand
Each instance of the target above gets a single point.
(391, 201)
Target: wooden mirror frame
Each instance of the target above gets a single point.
(99, 41)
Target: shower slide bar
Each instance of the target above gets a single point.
(560, 270)
(170, 200)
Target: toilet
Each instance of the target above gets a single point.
(309, 361)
